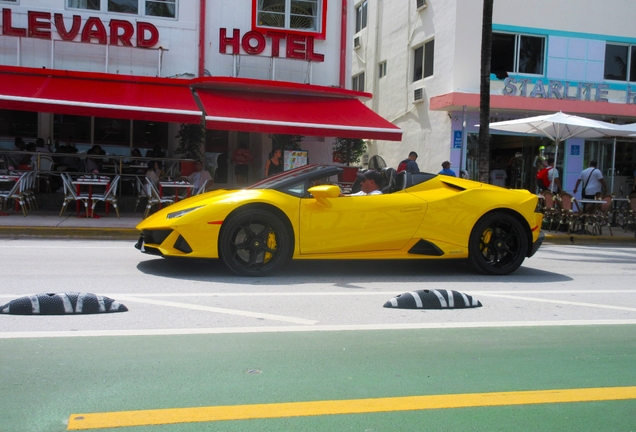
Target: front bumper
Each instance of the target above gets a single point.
(152, 242)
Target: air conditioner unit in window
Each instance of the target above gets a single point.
(421, 4)
(356, 42)
(418, 95)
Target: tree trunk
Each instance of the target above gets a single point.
(484, 93)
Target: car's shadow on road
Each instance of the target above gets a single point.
(343, 272)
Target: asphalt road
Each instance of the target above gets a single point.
(204, 350)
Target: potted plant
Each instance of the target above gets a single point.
(348, 151)
(191, 141)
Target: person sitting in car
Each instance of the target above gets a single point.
(370, 182)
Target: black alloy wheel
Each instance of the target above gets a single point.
(498, 244)
(254, 242)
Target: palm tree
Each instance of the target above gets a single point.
(484, 92)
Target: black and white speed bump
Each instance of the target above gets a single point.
(433, 299)
(62, 303)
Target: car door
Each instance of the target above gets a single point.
(359, 223)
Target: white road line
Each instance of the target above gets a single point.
(569, 303)
(218, 310)
(295, 329)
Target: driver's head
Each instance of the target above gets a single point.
(370, 180)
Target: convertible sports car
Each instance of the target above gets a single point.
(300, 214)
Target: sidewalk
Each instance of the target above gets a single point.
(47, 224)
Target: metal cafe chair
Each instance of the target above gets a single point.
(14, 194)
(142, 191)
(109, 196)
(551, 212)
(43, 172)
(201, 188)
(567, 216)
(71, 195)
(155, 198)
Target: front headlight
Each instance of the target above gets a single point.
(180, 213)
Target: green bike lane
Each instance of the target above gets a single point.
(45, 381)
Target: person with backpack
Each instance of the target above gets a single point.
(548, 178)
(593, 181)
(409, 164)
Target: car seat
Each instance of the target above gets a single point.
(388, 180)
(400, 181)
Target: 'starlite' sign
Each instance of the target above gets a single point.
(555, 89)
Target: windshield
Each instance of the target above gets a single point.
(283, 178)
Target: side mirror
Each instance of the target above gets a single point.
(322, 192)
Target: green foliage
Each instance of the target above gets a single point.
(191, 141)
(348, 150)
(286, 142)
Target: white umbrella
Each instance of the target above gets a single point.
(559, 127)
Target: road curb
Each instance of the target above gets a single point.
(589, 239)
(69, 233)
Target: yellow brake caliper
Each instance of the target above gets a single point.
(485, 240)
(271, 243)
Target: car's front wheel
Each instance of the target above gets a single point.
(254, 242)
(498, 244)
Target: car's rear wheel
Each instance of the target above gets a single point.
(254, 242)
(498, 244)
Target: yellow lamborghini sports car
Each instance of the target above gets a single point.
(299, 214)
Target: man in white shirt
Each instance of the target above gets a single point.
(498, 177)
(370, 182)
(198, 177)
(593, 181)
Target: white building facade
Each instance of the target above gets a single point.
(421, 61)
(125, 74)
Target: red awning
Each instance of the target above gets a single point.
(97, 94)
(288, 108)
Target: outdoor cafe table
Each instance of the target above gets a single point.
(589, 201)
(8, 178)
(176, 185)
(90, 181)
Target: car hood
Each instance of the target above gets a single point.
(218, 202)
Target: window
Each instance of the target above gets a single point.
(18, 123)
(123, 6)
(158, 8)
(423, 61)
(382, 69)
(290, 14)
(357, 82)
(517, 53)
(161, 8)
(620, 62)
(84, 4)
(361, 16)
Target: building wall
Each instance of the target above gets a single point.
(178, 37)
(393, 31)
